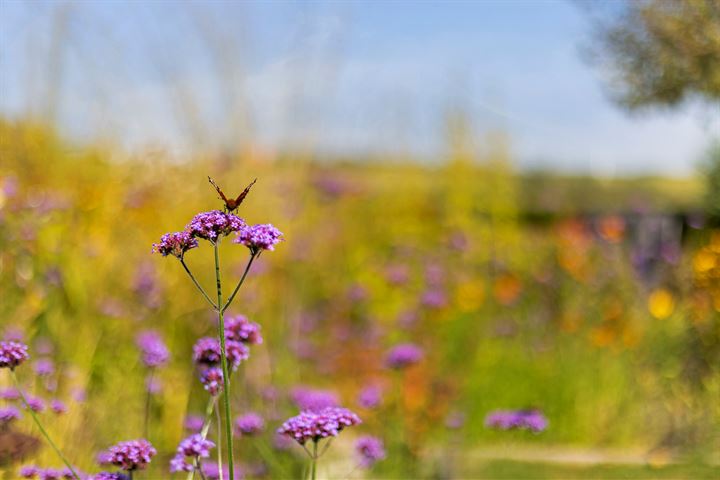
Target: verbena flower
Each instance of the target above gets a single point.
(240, 329)
(211, 471)
(370, 450)
(214, 224)
(532, 420)
(194, 423)
(58, 406)
(175, 244)
(31, 471)
(132, 455)
(44, 367)
(35, 404)
(194, 447)
(403, 355)
(370, 397)
(212, 380)
(9, 394)
(259, 237)
(12, 354)
(153, 349)
(315, 426)
(28, 471)
(109, 476)
(206, 352)
(249, 424)
(153, 385)
(313, 399)
(8, 415)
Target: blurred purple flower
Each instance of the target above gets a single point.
(206, 352)
(132, 455)
(240, 329)
(153, 349)
(9, 394)
(8, 415)
(194, 423)
(249, 424)
(58, 406)
(153, 385)
(532, 420)
(313, 399)
(370, 450)
(403, 355)
(370, 397)
(212, 380)
(397, 274)
(36, 404)
(434, 298)
(455, 420)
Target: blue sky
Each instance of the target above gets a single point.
(335, 77)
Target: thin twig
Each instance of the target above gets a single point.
(242, 279)
(192, 277)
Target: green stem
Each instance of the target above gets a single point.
(206, 427)
(242, 279)
(146, 422)
(270, 458)
(223, 358)
(219, 445)
(192, 277)
(314, 461)
(39, 425)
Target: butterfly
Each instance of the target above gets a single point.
(232, 203)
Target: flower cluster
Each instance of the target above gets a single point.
(212, 380)
(206, 352)
(214, 224)
(370, 450)
(44, 367)
(249, 424)
(131, 455)
(403, 355)
(153, 349)
(308, 399)
(315, 426)
(259, 237)
(175, 244)
(194, 447)
(370, 397)
(532, 420)
(8, 415)
(12, 354)
(31, 471)
(239, 329)
(109, 476)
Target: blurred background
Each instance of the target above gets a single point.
(528, 190)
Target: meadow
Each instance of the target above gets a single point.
(595, 303)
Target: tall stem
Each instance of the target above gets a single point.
(148, 396)
(219, 444)
(205, 428)
(202, 290)
(313, 468)
(242, 279)
(39, 425)
(226, 375)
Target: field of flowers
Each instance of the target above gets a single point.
(418, 314)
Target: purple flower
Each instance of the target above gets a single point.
(195, 446)
(403, 355)
(397, 274)
(532, 420)
(312, 399)
(29, 471)
(370, 450)
(206, 352)
(249, 424)
(153, 385)
(109, 476)
(240, 329)
(211, 471)
(212, 380)
(132, 455)
(194, 423)
(8, 415)
(259, 237)
(433, 298)
(154, 351)
(44, 367)
(212, 225)
(58, 406)
(370, 397)
(36, 404)
(315, 426)
(9, 394)
(12, 354)
(175, 244)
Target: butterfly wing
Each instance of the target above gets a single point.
(220, 192)
(244, 193)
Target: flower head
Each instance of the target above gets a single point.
(249, 424)
(370, 450)
(370, 397)
(194, 423)
(12, 354)
(194, 446)
(259, 237)
(44, 367)
(214, 224)
(315, 426)
(207, 352)
(403, 355)
(29, 471)
(240, 329)
(132, 455)
(212, 380)
(175, 244)
(58, 406)
(36, 404)
(8, 415)
(532, 420)
(109, 476)
(153, 349)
